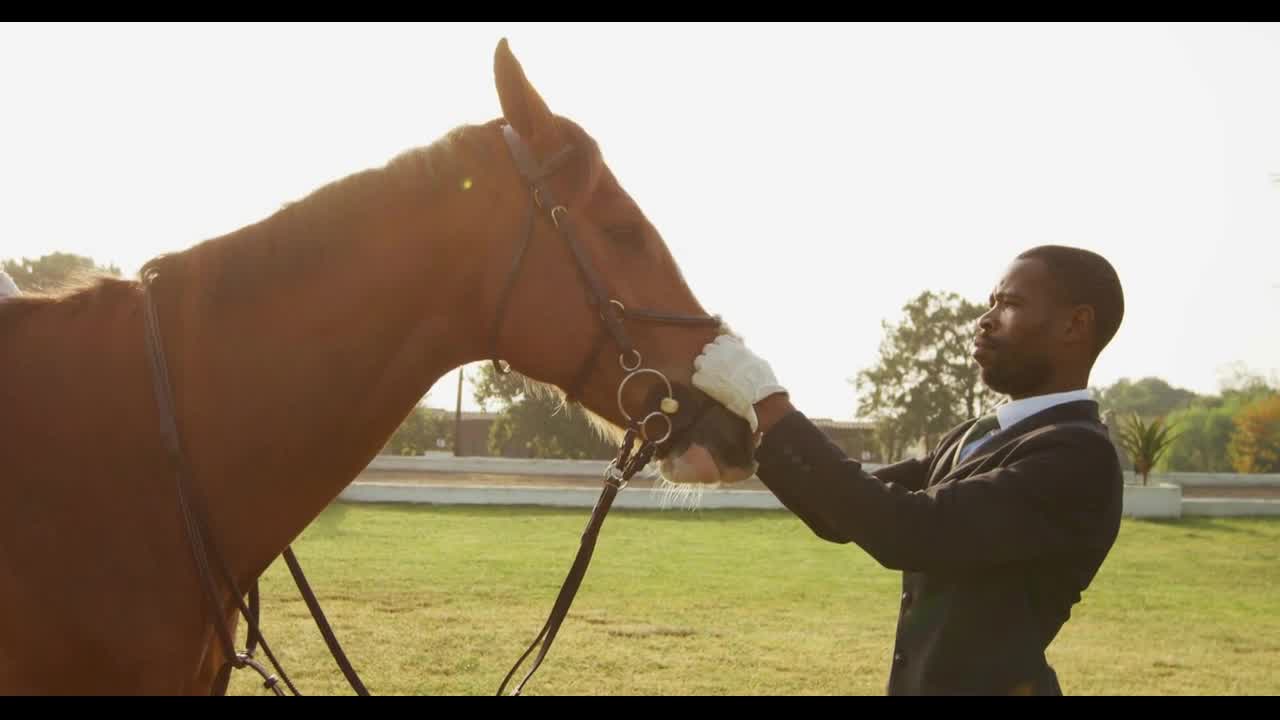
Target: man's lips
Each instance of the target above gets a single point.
(983, 348)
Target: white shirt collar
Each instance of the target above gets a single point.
(1016, 411)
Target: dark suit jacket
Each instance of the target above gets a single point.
(994, 552)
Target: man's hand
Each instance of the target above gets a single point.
(735, 377)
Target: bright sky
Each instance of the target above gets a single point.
(846, 167)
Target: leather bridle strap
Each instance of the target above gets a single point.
(195, 516)
(544, 196)
(510, 284)
(617, 474)
(611, 312)
(326, 631)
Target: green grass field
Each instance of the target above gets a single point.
(443, 600)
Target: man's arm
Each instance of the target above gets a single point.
(1046, 501)
(911, 474)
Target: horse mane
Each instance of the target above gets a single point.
(255, 257)
(301, 233)
(81, 293)
(603, 429)
(669, 494)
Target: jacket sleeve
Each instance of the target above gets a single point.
(1049, 498)
(911, 474)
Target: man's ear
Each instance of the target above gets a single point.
(1080, 325)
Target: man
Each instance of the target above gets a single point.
(1007, 521)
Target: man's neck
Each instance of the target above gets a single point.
(1064, 382)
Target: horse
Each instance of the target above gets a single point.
(272, 363)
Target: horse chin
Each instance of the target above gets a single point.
(697, 466)
(717, 451)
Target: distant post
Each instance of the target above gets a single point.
(457, 418)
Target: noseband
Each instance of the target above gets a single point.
(613, 313)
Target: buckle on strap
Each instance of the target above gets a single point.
(614, 476)
(270, 681)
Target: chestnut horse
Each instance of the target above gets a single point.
(294, 347)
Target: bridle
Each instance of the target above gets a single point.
(618, 473)
(629, 460)
(610, 310)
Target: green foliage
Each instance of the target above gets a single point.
(1207, 426)
(1150, 397)
(1255, 445)
(1145, 442)
(1202, 443)
(419, 433)
(535, 422)
(925, 381)
(53, 271)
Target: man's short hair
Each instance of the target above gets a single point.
(1085, 278)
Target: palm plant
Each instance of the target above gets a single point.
(1145, 442)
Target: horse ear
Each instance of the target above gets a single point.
(522, 107)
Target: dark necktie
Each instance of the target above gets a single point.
(979, 430)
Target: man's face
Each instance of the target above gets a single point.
(1016, 345)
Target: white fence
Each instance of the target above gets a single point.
(1213, 479)
(446, 463)
(635, 498)
(1163, 499)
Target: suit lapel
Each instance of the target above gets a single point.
(1077, 410)
(947, 452)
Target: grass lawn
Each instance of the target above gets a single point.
(443, 600)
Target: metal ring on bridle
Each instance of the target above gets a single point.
(563, 210)
(622, 386)
(622, 360)
(644, 427)
(622, 312)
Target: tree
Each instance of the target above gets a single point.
(925, 381)
(535, 422)
(53, 271)
(1202, 444)
(1255, 445)
(1209, 424)
(890, 436)
(419, 432)
(1150, 397)
(1145, 442)
(1236, 380)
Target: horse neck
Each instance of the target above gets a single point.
(287, 397)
